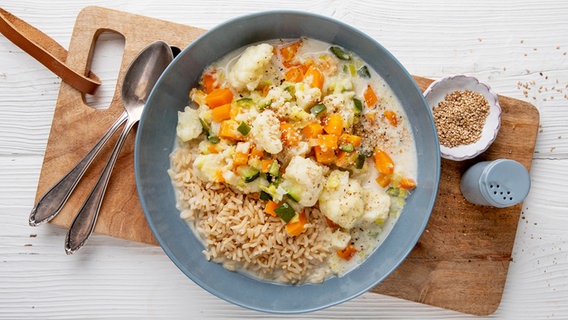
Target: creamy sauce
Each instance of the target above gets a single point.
(344, 78)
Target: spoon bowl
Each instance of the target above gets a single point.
(138, 82)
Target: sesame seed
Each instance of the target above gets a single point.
(460, 118)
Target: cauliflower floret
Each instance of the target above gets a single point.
(208, 166)
(342, 199)
(377, 205)
(304, 178)
(188, 127)
(306, 96)
(249, 69)
(265, 132)
(341, 103)
(339, 239)
(278, 97)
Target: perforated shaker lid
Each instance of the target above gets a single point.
(505, 183)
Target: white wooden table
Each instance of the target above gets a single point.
(520, 48)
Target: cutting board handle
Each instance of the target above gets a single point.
(47, 51)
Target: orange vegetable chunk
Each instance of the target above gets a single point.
(228, 130)
(407, 183)
(327, 141)
(370, 96)
(384, 179)
(219, 97)
(269, 208)
(347, 253)
(290, 135)
(209, 82)
(289, 51)
(383, 162)
(295, 74)
(333, 124)
(392, 117)
(295, 228)
(324, 156)
(314, 77)
(350, 138)
(222, 113)
(312, 130)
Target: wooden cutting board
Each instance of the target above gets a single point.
(459, 263)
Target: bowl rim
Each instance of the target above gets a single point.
(403, 253)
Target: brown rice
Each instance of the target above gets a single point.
(237, 233)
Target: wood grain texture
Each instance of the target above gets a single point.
(501, 43)
(461, 261)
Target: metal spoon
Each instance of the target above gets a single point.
(139, 80)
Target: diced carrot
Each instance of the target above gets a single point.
(219, 97)
(269, 208)
(345, 159)
(295, 74)
(370, 96)
(240, 159)
(209, 82)
(333, 124)
(265, 90)
(289, 51)
(407, 183)
(312, 130)
(327, 141)
(391, 117)
(314, 77)
(213, 148)
(265, 165)
(324, 156)
(228, 130)
(290, 135)
(384, 179)
(383, 162)
(350, 138)
(347, 253)
(295, 228)
(256, 153)
(221, 113)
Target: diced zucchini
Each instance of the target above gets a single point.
(363, 72)
(318, 109)
(340, 53)
(347, 147)
(285, 212)
(358, 105)
(245, 102)
(243, 128)
(248, 173)
(206, 127)
(213, 139)
(273, 174)
(360, 161)
(265, 195)
(293, 191)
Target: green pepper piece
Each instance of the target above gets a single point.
(243, 128)
(340, 53)
(360, 161)
(285, 212)
(213, 139)
(364, 72)
(265, 195)
(347, 147)
(318, 109)
(245, 102)
(358, 105)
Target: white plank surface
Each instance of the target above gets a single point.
(519, 48)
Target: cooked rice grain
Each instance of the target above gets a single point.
(237, 233)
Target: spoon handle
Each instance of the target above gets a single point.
(53, 200)
(84, 223)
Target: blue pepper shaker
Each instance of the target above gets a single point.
(499, 183)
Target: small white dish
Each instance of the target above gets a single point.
(436, 93)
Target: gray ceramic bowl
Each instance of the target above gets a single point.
(156, 135)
